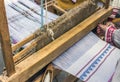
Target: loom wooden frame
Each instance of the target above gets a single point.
(67, 39)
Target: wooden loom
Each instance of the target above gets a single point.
(20, 68)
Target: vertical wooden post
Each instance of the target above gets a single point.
(5, 41)
(107, 4)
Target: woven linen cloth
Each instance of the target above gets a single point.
(24, 18)
(90, 59)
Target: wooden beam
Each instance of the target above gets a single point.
(58, 8)
(5, 41)
(58, 23)
(17, 57)
(107, 4)
(41, 58)
(66, 21)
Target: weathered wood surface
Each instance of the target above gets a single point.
(107, 4)
(60, 26)
(41, 58)
(66, 22)
(5, 41)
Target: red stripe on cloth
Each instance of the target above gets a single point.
(92, 59)
(99, 65)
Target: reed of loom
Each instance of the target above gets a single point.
(41, 40)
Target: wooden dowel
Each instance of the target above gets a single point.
(5, 41)
(49, 3)
(60, 9)
(23, 42)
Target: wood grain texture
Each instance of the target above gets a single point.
(41, 58)
(59, 27)
(23, 42)
(66, 22)
(5, 41)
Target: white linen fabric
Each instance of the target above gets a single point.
(90, 59)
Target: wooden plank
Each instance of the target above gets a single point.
(107, 4)
(41, 58)
(66, 22)
(5, 41)
(58, 8)
(25, 51)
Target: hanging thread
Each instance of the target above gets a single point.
(42, 9)
(49, 30)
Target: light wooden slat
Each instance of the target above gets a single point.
(58, 8)
(23, 42)
(38, 60)
(22, 53)
(5, 41)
